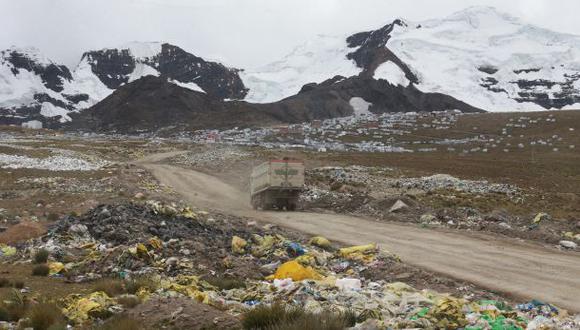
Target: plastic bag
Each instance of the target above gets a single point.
(80, 308)
(156, 243)
(6, 250)
(321, 242)
(346, 252)
(295, 271)
(295, 249)
(238, 245)
(348, 284)
(55, 268)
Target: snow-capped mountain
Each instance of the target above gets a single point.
(492, 60)
(476, 59)
(34, 87)
(480, 56)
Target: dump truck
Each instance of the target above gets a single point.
(276, 184)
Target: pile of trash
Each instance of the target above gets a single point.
(179, 249)
(56, 185)
(444, 181)
(216, 157)
(376, 178)
(52, 163)
(148, 237)
(340, 201)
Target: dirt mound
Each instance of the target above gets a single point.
(181, 313)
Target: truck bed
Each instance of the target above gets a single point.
(277, 175)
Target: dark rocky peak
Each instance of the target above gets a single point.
(332, 97)
(111, 66)
(52, 75)
(114, 67)
(214, 78)
(372, 51)
(374, 38)
(311, 86)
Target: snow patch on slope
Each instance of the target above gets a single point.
(49, 110)
(142, 70)
(391, 72)
(17, 90)
(143, 50)
(190, 85)
(314, 61)
(86, 82)
(360, 106)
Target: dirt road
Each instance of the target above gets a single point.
(520, 269)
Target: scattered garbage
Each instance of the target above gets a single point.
(216, 157)
(52, 163)
(177, 247)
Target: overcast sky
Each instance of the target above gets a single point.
(241, 33)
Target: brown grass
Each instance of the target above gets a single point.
(40, 270)
(45, 316)
(128, 301)
(41, 256)
(112, 287)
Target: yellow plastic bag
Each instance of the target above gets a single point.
(364, 253)
(6, 250)
(188, 213)
(306, 260)
(238, 245)
(266, 243)
(320, 241)
(156, 243)
(55, 268)
(295, 271)
(369, 248)
(448, 313)
(540, 217)
(80, 308)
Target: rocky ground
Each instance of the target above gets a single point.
(123, 252)
(435, 201)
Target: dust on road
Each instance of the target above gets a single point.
(524, 270)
